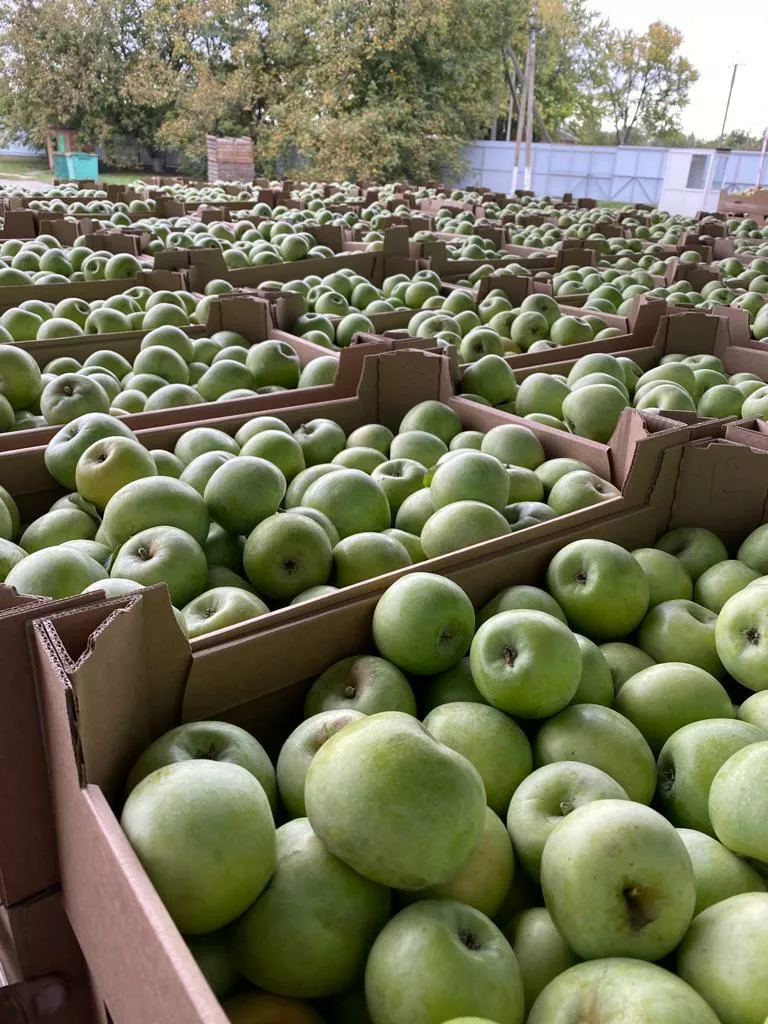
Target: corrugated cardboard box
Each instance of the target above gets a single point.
(95, 733)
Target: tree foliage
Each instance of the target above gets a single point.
(364, 88)
(638, 83)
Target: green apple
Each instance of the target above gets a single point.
(755, 710)
(164, 554)
(527, 663)
(718, 873)
(570, 330)
(212, 741)
(527, 328)
(483, 881)
(56, 527)
(552, 470)
(617, 879)
(418, 446)
(294, 496)
(724, 957)
(171, 337)
(548, 795)
(70, 396)
(624, 661)
(490, 377)
(620, 989)
(542, 393)
(411, 543)
(480, 342)
(321, 916)
(521, 596)
(514, 445)
(467, 439)
(243, 492)
(601, 588)
(320, 440)
(541, 952)
(689, 761)
(155, 501)
(593, 411)
(174, 819)
(754, 550)
(470, 476)
(433, 417)
(109, 464)
(54, 572)
(696, 548)
(286, 554)
(319, 372)
(580, 489)
(363, 683)
(423, 624)
(199, 471)
(253, 1007)
(454, 685)
(220, 607)
(298, 750)
(601, 737)
(595, 682)
(461, 524)
(353, 501)
(740, 636)
(524, 486)
(363, 556)
(663, 698)
(113, 587)
(351, 801)
(198, 440)
(398, 478)
(491, 741)
(10, 555)
(720, 582)
(279, 448)
(371, 435)
(738, 799)
(414, 512)
(439, 960)
(274, 362)
(214, 958)
(681, 631)
(667, 577)
(365, 459)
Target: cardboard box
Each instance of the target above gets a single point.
(249, 315)
(27, 840)
(94, 734)
(36, 939)
(204, 265)
(157, 280)
(688, 332)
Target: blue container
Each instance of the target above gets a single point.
(76, 166)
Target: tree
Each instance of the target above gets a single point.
(377, 88)
(636, 82)
(59, 67)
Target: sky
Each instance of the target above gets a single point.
(713, 51)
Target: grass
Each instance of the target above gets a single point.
(36, 169)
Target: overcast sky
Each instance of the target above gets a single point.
(712, 50)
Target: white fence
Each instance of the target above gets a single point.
(675, 179)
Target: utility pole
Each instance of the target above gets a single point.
(511, 107)
(763, 150)
(728, 102)
(525, 115)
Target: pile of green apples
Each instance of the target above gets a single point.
(42, 260)
(590, 400)
(171, 370)
(554, 809)
(234, 525)
(96, 207)
(136, 309)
